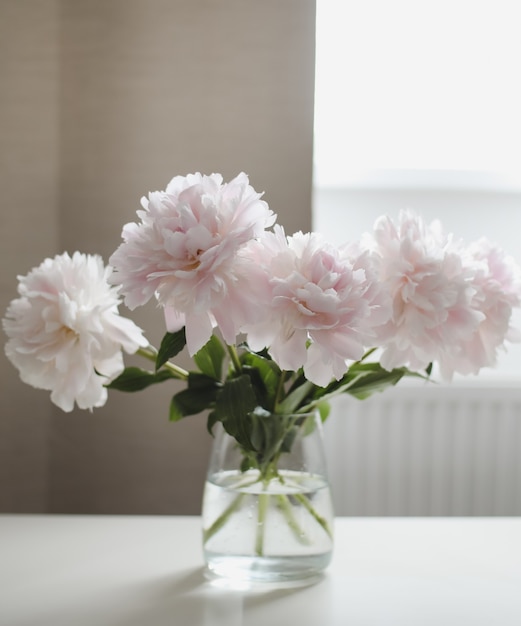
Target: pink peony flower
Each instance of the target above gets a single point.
(432, 292)
(65, 333)
(320, 305)
(497, 284)
(188, 252)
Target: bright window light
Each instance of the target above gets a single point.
(430, 87)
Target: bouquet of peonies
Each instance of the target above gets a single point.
(276, 324)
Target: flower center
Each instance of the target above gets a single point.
(193, 261)
(68, 334)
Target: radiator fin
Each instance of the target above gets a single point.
(427, 451)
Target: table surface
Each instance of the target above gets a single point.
(148, 571)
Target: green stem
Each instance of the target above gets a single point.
(232, 351)
(280, 390)
(300, 497)
(150, 353)
(264, 500)
(287, 511)
(367, 354)
(223, 518)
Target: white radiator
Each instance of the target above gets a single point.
(429, 450)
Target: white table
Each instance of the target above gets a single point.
(148, 571)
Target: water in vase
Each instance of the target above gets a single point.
(267, 530)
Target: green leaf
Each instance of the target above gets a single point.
(171, 346)
(271, 434)
(196, 380)
(324, 408)
(175, 413)
(289, 438)
(265, 376)
(370, 385)
(235, 400)
(211, 421)
(136, 379)
(296, 399)
(379, 379)
(257, 430)
(364, 379)
(191, 401)
(210, 358)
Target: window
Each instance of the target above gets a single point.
(426, 92)
(418, 106)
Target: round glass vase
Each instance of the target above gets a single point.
(271, 523)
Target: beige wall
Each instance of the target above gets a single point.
(29, 75)
(102, 101)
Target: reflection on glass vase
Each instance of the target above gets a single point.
(270, 520)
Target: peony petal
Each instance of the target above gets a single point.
(290, 352)
(174, 320)
(318, 369)
(199, 329)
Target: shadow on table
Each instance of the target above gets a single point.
(191, 599)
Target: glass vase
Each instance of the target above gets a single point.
(271, 523)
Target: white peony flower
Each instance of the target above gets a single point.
(188, 252)
(321, 304)
(65, 332)
(496, 280)
(431, 290)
